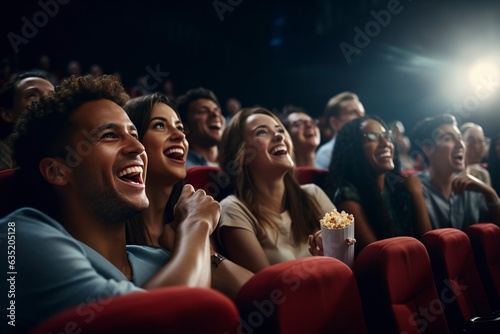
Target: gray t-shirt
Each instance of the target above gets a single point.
(55, 272)
(458, 211)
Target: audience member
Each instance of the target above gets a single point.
(474, 151)
(494, 162)
(161, 132)
(305, 135)
(204, 123)
(233, 105)
(15, 96)
(403, 145)
(269, 218)
(339, 110)
(365, 180)
(73, 68)
(81, 144)
(96, 70)
(52, 75)
(452, 198)
(168, 90)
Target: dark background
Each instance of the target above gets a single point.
(275, 53)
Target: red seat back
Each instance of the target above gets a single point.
(213, 180)
(485, 242)
(167, 310)
(307, 175)
(307, 295)
(397, 288)
(456, 276)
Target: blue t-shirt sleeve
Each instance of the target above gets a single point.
(53, 270)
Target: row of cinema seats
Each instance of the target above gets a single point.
(397, 285)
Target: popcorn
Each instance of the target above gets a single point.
(336, 220)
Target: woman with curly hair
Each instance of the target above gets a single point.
(364, 179)
(269, 218)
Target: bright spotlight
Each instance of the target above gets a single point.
(481, 71)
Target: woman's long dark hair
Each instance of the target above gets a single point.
(139, 110)
(349, 166)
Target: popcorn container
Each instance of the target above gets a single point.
(339, 243)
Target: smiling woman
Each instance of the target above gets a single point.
(364, 179)
(269, 218)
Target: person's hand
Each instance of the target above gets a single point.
(413, 184)
(316, 244)
(195, 207)
(465, 182)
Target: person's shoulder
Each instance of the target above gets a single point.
(311, 188)
(144, 251)
(31, 222)
(326, 146)
(27, 214)
(230, 200)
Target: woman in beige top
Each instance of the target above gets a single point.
(269, 218)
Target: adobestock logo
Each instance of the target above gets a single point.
(225, 6)
(426, 315)
(29, 29)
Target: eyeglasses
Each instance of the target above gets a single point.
(377, 136)
(304, 122)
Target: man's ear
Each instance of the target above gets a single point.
(7, 115)
(54, 171)
(332, 121)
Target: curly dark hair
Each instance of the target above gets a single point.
(44, 130)
(349, 166)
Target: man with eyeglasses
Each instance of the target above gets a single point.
(453, 199)
(339, 110)
(305, 135)
(475, 149)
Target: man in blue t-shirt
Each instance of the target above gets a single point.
(453, 199)
(78, 146)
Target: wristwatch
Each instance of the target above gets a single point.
(216, 259)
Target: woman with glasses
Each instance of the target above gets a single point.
(364, 179)
(305, 135)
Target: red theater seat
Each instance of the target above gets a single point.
(213, 180)
(167, 310)
(397, 288)
(485, 241)
(309, 295)
(311, 175)
(456, 276)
